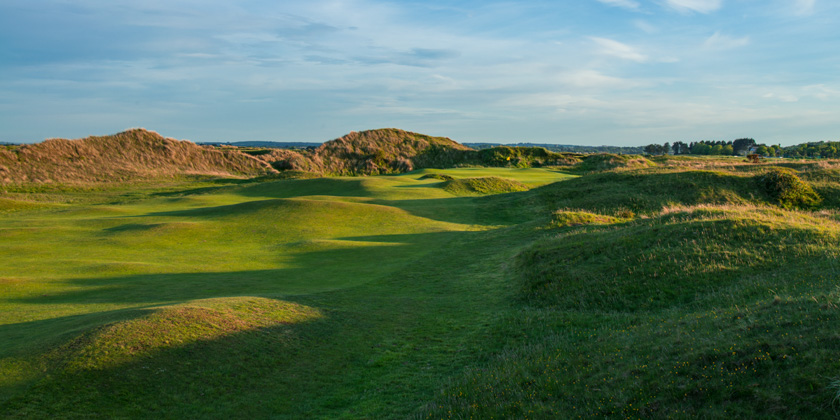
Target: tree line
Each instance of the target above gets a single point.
(739, 147)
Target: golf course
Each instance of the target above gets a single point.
(614, 287)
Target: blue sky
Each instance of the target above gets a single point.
(617, 72)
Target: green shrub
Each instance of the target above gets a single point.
(787, 190)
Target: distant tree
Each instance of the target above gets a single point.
(742, 146)
(679, 148)
(656, 149)
(762, 150)
(701, 148)
(728, 150)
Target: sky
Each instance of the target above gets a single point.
(588, 72)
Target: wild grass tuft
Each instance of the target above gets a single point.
(787, 190)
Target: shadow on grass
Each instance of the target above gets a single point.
(492, 210)
(19, 338)
(307, 267)
(339, 187)
(257, 372)
(383, 348)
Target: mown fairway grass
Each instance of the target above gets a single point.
(324, 297)
(672, 291)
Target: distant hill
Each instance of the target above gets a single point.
(265, 144)
(390, 150)
(139, 153)
(136, 153)
(387, 150)
(568, 148)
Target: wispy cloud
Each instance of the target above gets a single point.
(590, 79)
(646, 27)
(700, 6)
(719, 41)
(625, 4)
(617, 49)
(781, 97)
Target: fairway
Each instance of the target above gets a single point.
(377, 252)
(627, 287)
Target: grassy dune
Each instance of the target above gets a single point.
(674, 288)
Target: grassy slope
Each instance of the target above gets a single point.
(351, 255)
(712, 304)
(660, 292)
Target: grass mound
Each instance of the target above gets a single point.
(565, 218)
(787, 190)
(676, 259)
(607, 161)
(442, 177)
(177, 326)
(646, 192)
(483, 186)
(10, 205)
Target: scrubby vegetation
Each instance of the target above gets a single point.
(592, 286)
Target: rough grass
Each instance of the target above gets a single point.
(787, 190)
(607, 161)
(717, 305)
(566, 218)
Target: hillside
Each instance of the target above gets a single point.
(386, 151)
(391, 151)
(141, 154)
(133, 154)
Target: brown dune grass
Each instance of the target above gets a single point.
(132, 154)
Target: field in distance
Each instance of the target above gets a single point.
(616, 287)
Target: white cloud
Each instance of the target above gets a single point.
(594, 79)
(781, 97)
(724, 42)
(804, 7)
(625, 4)
(822, 92)
(617, 49)
(646, 27)
(701, 6)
